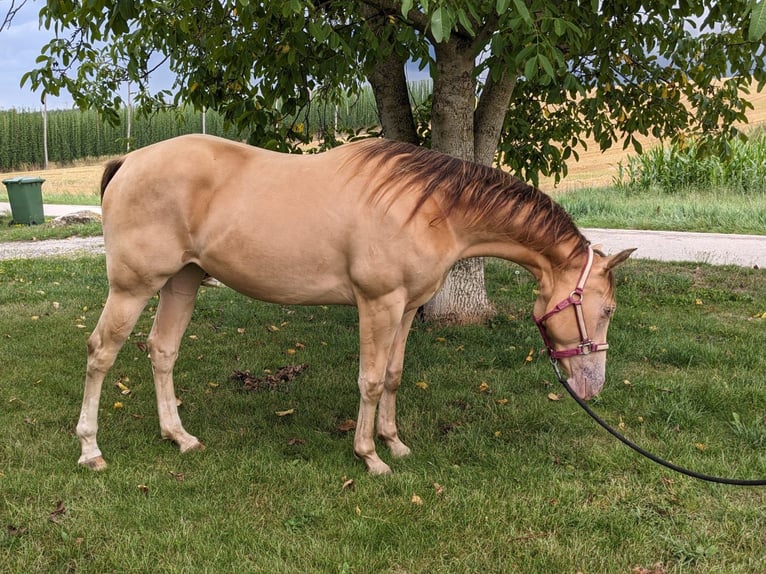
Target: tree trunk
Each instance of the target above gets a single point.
(389, 85)
(490, 116)
(463, 298)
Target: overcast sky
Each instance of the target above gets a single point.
(19, 47)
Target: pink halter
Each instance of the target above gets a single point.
(586, 345)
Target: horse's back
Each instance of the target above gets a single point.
(279, 227)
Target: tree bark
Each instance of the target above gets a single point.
(463, 297)
(490, 116)
(389, 85)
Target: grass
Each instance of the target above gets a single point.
(502, 479)
(687, 210)
(15, 232)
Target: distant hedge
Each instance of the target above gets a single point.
(73, 134)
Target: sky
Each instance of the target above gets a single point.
(20, 44)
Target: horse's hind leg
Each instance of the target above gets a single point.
(173, 315)
(120, 313)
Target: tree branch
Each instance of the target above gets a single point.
(12, 11)
(417, 19)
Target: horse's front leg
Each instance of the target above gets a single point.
(387, 430)
(378, 325)
(173, 315)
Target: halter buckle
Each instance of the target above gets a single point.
(587, 347)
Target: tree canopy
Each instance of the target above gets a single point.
(555, 72)
(520, 82)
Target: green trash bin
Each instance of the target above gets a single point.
(25, 195)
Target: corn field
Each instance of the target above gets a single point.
(674, 169)
(74, 135)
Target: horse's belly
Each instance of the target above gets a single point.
(290, 283)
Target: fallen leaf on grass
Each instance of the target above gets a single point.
(143, 489)
(179, 476)
(438, 488)
(285, 413)
(58, 512)
(658, 568)
(16, 530)
(554, 397)
(416, 500)
(347, 425)
(295, 442)
(272, 381)
(422, 385)
(348, 484)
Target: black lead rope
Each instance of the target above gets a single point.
(647, 454)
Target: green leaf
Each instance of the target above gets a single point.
(546, 65)
(757, 21)
(530, 68)
(406, 7)
(522, 9)
(502, 6)
(437, 25)
(465, 21)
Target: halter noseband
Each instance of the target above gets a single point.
(586, 345)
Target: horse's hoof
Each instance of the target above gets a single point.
(378, 468)
(191, 446)
(96, 463)
(398, 449)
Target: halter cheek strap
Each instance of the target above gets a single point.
(586, 345)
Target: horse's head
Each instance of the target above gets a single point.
(573, 313)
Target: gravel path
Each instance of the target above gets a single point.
(73, 246)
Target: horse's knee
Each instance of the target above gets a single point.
(162, 354)
(371, 390)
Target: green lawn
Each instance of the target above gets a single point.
(503, 478)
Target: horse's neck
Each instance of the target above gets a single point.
(521, 249)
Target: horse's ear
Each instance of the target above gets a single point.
(598, 249)
(614, 260)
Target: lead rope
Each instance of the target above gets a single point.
(641, 451)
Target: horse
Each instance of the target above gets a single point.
(376, 224)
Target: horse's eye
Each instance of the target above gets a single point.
(609, 311)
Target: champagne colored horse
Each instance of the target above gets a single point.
(375, 224)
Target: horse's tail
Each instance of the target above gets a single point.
(111, 168)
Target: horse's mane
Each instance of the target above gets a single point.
(487, 197)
